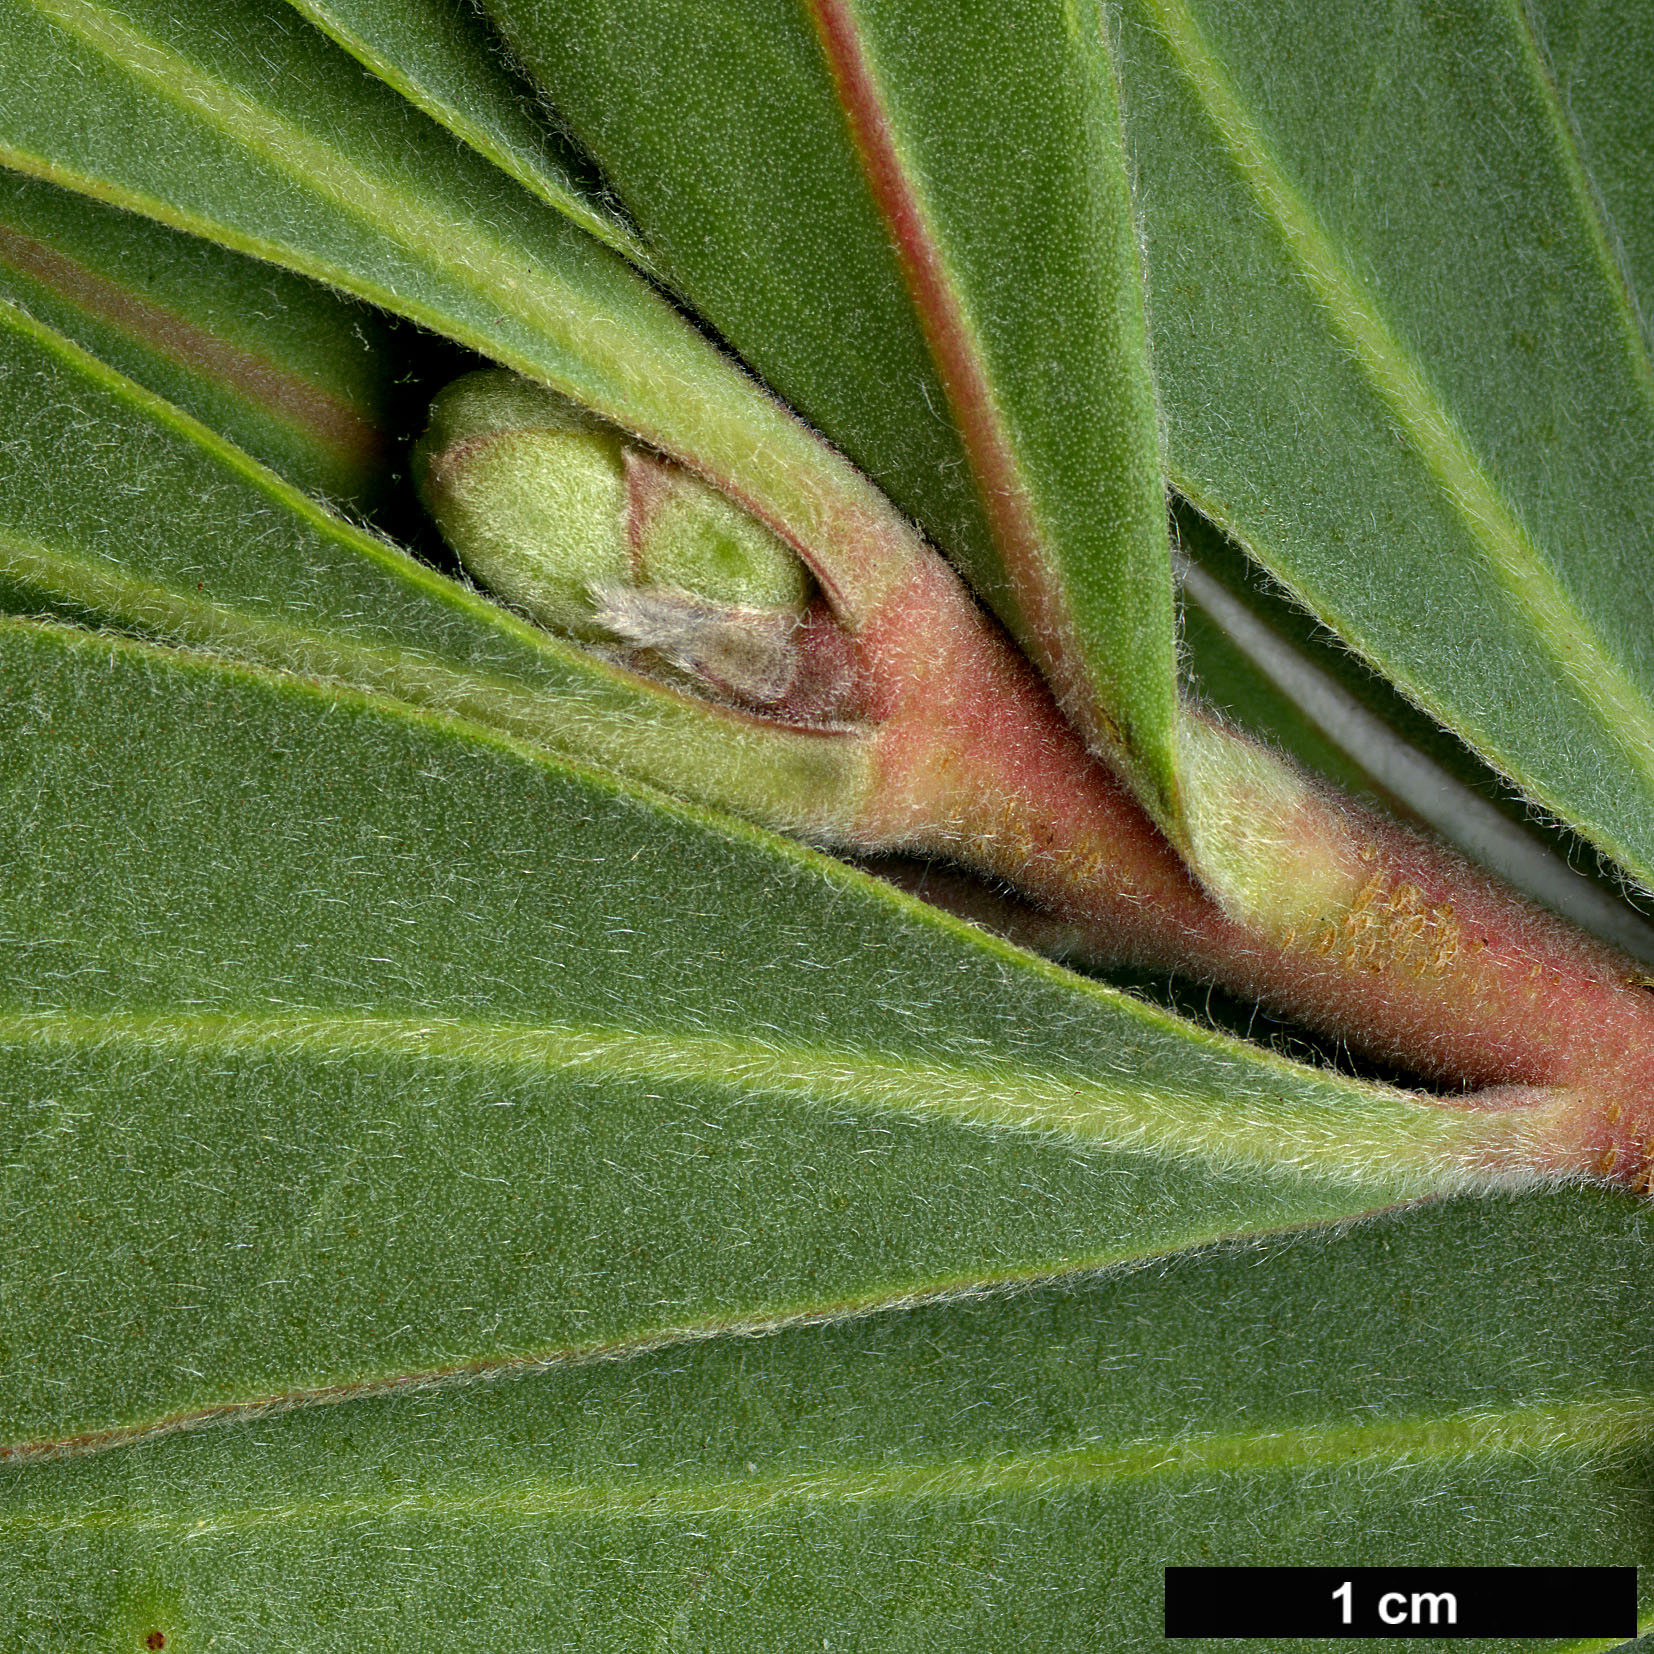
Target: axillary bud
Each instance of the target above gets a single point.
(588, 533)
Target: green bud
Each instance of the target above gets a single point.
(561, 516)
(691, 537)
(531, 493)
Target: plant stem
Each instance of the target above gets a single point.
(1350, 923)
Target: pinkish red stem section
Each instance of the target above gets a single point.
(1420, 959)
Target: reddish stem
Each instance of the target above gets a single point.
(1427, 962)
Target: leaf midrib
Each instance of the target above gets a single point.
(1592, 1428)
(540, 176)
(777, 1318)
(953, 337)
(1402, 1149)
(1491, 521)
(281, 394)
(1593, 210)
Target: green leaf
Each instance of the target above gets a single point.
(533, 1064)
(270, 140)
(125, 511)
(1592, 58)
(914, 222)
(293, 373)
(1400, 361)
(361, 1043)
(1012, 1472)
(439, 57)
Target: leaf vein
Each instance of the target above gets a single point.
(1366, 1134)
(1590, 1428)
(1601, 682)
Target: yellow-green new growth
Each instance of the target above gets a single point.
(557, 512)
(530, 491)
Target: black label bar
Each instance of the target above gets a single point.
(1401, 1602)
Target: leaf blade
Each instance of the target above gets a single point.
(356, 976)
(275, 143)
(1390, 292)
(1078, 1434)
(293, 372)
(437, 57)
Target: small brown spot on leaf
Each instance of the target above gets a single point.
(156, 1639)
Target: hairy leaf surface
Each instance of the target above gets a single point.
(293, 373)
(1008, 1473)
(439, 56)
(273, 141)
(398, 1082)
(525, 1063)
(1402, 360)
